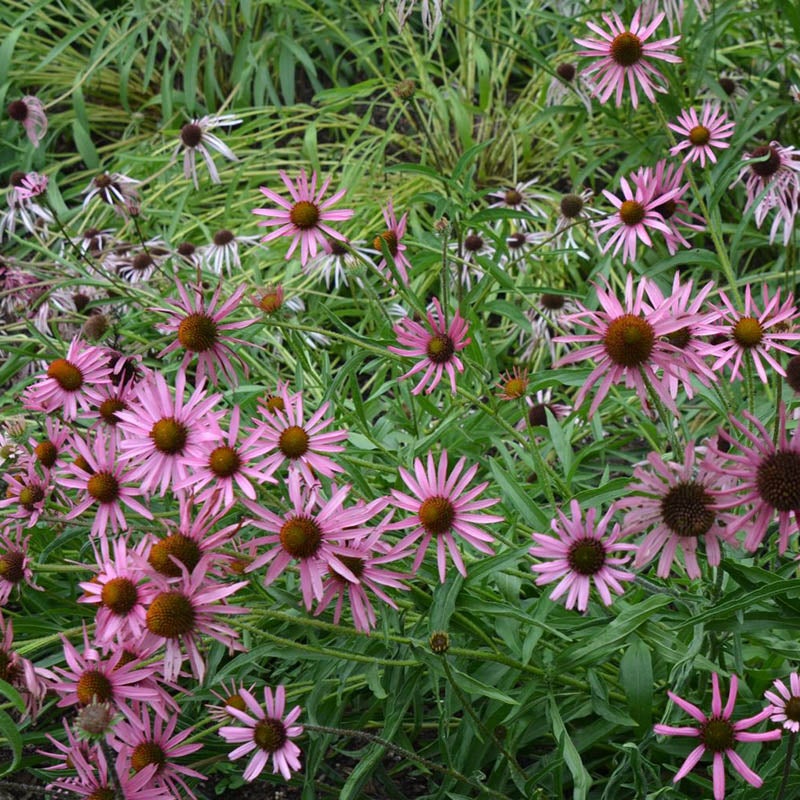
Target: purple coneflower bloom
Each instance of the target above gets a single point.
(703, 133)
(442, 506)
(183, 610)
(629, 343)
(230, 697)
(199, 330)
(306, 533)
(772, 180)
(30, 681)
(436, 345)
(267, 732)
(160, 430)
(521, 197)
(196, 137)
(15, 563)
(144, 743)
(70, 381)
(581, 554)
(364, 558)
(718, 735)
(104, 484)
(114, 189)
(30, 113)
(785, 707)
(752, 333)
(28, 490)
(766, 476)
(392, 238)
(679, 502)
(639, 212)
(624, 54)
(305, 216)
(223, 252)
(283, 435)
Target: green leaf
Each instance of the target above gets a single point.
(636, 677)
(444, 602)
(85, 145)
(513, 493)
(10, 732)
(8, 691)
(473, 686)
(7, 52)
(582, 781)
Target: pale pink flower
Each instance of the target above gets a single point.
(183, 610)
(436, 345)
(104, 485)
(678, 503)
(160, 430)
(703, 134)
(225, 465)
(752, 333)
(114, 189)
(120, 589)
(639, 212)
(230, 697)
(625, 55)
(223, 251)
(581, 554)
(199, 331)
(365, 559)
(307, 532)
(522, 197)
(143, 743)
(15, 563)
(431, 12)
(196, 138)
(772, 181)
(442, 506)
(392, 239)
(30, 185)
(70, 382)
(283, 435)
(30, 113)
(305, 217)
(785, 708)
(267, 731)
(718, 735)
(49, 449)
(629, 342)
(28, 491)
(766, 479)
(30, 681)
(91, 678)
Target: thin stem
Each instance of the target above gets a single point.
(407, 754)
(666, 418)
(787, 766)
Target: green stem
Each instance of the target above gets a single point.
(407, 754)
(787, 766)
(666, 418)
(467, 706)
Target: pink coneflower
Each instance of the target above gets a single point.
(581, 554)
(30, 113)
(665, 179)
(93, 679)
(365, 559)
(624, 56)
(305, 216)
(196, 138)
(442, 506)
(785, 708)
(120, 588)
(539, 406)
(69, 381)
(521, 197)
(636, 215)
(436, 346)
(267, 732)
(513, 384)
(283, 435)
(223, 465)
(27, 490)
(15, 563)
(231, 696)
(772, 180)
(223, 251)
(160, 430)
(183, 610)
(192, 539)
(703, 133)
(338, 262)
(629, 342)
(103, 482)
(718, 735)
(30, 681)
(752, 333)
(766, 476)
(114, 189)
(678, 501)
(30, 185)
(199, 331)
(143, 743)
(23, 208)
(392, 239)
(306, 533)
